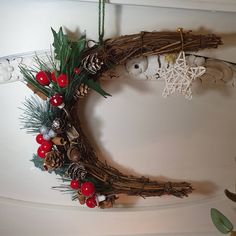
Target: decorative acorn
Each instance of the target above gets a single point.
(59, 125)
(73, 154)
(53, 160)
(82, 91)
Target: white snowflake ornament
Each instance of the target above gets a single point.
(179, 76)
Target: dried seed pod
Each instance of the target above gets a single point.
(81, 198)
(72, 133)
(108, 203)
(73, 154)
(92, 63)
(53, 160)
(60, 141)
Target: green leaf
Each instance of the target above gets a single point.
(60, 41)
(96, 86)
(38, 162)
(77, 49)
(221, 222)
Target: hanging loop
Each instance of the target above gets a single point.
(101, 17)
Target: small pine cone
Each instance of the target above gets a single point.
(53, 160)
(82, 91)
(76, 171)
(92, 63)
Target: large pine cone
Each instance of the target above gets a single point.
(53, 160)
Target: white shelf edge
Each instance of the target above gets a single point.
(206, 5)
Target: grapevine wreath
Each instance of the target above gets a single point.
(70, 71)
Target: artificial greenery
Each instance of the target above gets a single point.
(38, 162)
(67, 56)
(37, 113)
(221, 222)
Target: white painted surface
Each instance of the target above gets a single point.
(136, 129)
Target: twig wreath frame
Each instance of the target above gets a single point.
(62, 81)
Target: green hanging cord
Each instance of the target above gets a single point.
(101, 17)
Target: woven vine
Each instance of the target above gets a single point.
(84, 68)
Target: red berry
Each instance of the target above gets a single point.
(56, 100)
(53, 76)
(43, 78)
(46, 146)
(62, 80)
(39, 138)
(91, 202)
(87, 189)
(74, 184)
(41, 152)
(77, 71)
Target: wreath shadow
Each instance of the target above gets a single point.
(86, 106)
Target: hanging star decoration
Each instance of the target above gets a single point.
(179, 76)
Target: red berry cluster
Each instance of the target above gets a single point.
(44, 78)
(88, 190)
(45, 146)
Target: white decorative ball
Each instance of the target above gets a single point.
(52, 133)
(44, 130)
(46, 137)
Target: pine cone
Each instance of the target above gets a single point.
(53, 160)
(92, 63)
(59, 125)
(82, 91)
(76, 171)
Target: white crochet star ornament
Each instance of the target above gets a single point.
(179, 76)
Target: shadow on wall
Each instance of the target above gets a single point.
(86, 106)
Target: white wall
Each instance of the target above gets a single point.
(136, 128)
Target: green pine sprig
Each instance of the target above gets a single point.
(37, 113)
